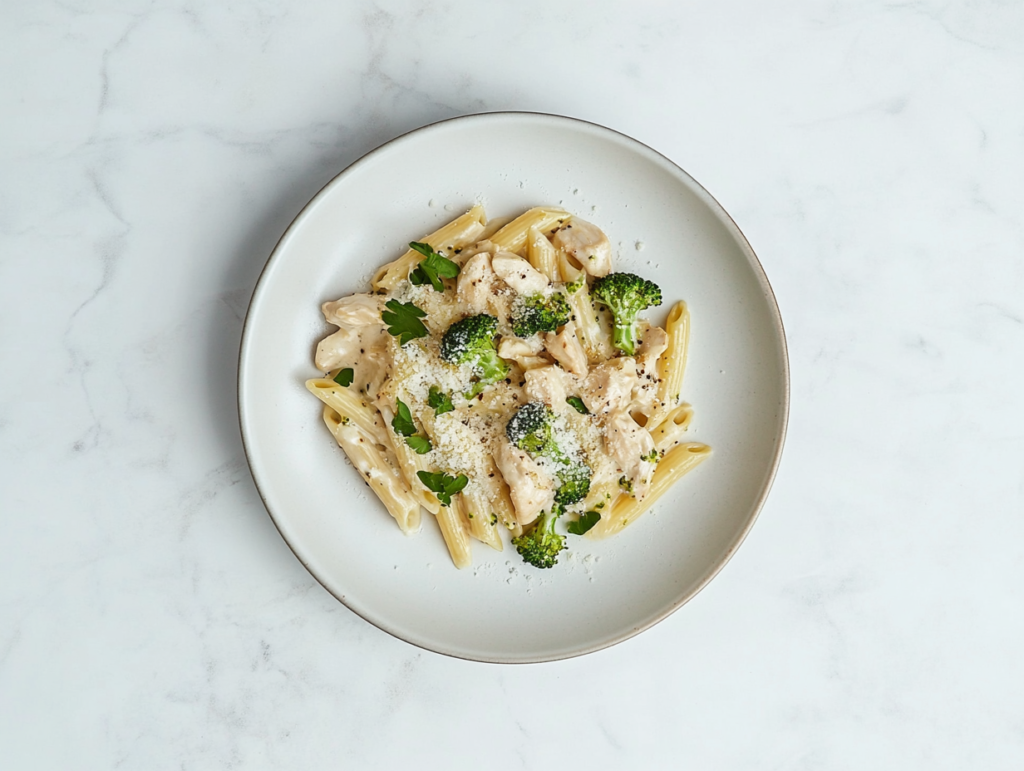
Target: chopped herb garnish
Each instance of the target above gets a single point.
(344, 378)
(577, 404)
(443, 485)
(653, 456)
(584, 523)
(627, 485)
(404, 319)
(402, 422)
(432, 268)
(440, 401)
(420, 444)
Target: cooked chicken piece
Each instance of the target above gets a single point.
(587, 244)
(519, 274)
(645, 394)
(524, 352)
(546, 384)
(565, 347)
(633, 449)
(357, 310)
(532, 489)
(337, 349)
(609, 386)
(477, 282)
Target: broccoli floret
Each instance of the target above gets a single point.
(626, 295)
(538, 313)
(575, 483)
(471, 341)
(541, 545)
(530, 429)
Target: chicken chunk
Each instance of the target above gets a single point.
(519, 274)
(633, 450)
(587, 244)
(532, 489)
(524, 352)
(609, 386)
(567, 350)
(546, 384)
(357, 310)
(477, 282)
(652, 345)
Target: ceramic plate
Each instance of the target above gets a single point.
(662, 225)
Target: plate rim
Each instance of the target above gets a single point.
(760, 275)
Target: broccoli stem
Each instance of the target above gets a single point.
(624, 336)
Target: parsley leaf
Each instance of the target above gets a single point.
(404, 319)
(344, 378)
(577, 404)
(433, 268)
(443, 485)
(402, 422)
(420, 444)
(440, 401)
(584, 523)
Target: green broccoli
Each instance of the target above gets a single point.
(541, 545)
(531, 430)
(538, 313)
(625, 295)
(471, 341)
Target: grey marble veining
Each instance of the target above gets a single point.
(152, 153)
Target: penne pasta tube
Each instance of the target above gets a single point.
(677, 462)
(349, 405)
(671, 430)
(602, 494)
(672, 363)
(460, 232)
(512, 237)
(595, 339)
(409, 462)
(385, 482)
(482, 519)
(542, 255)
(452, 522)
(569, 272)
(502, 502)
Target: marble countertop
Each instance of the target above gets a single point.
(151, 154)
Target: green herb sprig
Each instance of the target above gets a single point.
(432, 268)
(440, 401)
(404, 426)
(403, 320)
(584, 523)
(443, 485)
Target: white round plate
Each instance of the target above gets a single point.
(662, 225)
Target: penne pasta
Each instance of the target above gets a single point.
(385, 482)
(593, 335)
(482, 519)
(348, 404)
(542, 255)
(673, 361)
(512, 237)
(455, 532)
(677, 462)
(670, 431)
(409, 462)
(460, 232)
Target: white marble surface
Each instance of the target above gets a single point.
(152, 153)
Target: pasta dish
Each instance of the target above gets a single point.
(501, 378)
